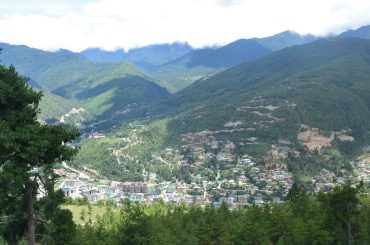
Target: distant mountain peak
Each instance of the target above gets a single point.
(147, 57)
(285, 39)
(362, 32)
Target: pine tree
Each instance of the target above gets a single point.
(28, 150)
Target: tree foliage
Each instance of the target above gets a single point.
(28, 150)
(303, 219)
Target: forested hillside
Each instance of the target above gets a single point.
(101, 88)
(202, 63)
(327, 76)
(321, 77)
(55, 109)
(295, 100)
(199, 63)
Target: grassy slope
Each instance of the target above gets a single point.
(76, 212)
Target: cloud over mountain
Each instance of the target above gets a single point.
(112, 24)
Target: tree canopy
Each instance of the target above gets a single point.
(28, 150)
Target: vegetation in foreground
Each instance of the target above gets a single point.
(84, 213)
(339, 217)
(28, 151)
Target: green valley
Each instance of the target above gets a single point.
(303, 109)
(218, 122)
(298, 114)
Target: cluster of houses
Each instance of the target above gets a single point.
(240, 182)
(260, 187)
(362, 171)
(326, 180)
(248, 184)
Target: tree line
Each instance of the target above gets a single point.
(338, 217)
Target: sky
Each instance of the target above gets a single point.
(112, 24)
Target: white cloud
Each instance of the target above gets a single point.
(112, 24)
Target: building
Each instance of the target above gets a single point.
(97, 135)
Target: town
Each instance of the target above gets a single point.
(232, 164)
(241, 181)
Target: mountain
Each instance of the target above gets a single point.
(146, 58)
(119, 95)
(362, 32)
(103, 87)
(74, 77)
(305, 106)
(324, 75)
(234, 53)
(30, 61)
(204, 62)
(285, 39)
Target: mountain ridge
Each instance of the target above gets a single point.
(307, 76)
(67, 74)
(203, 63)
(306, 106)
(147, 57)
(361, 32)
